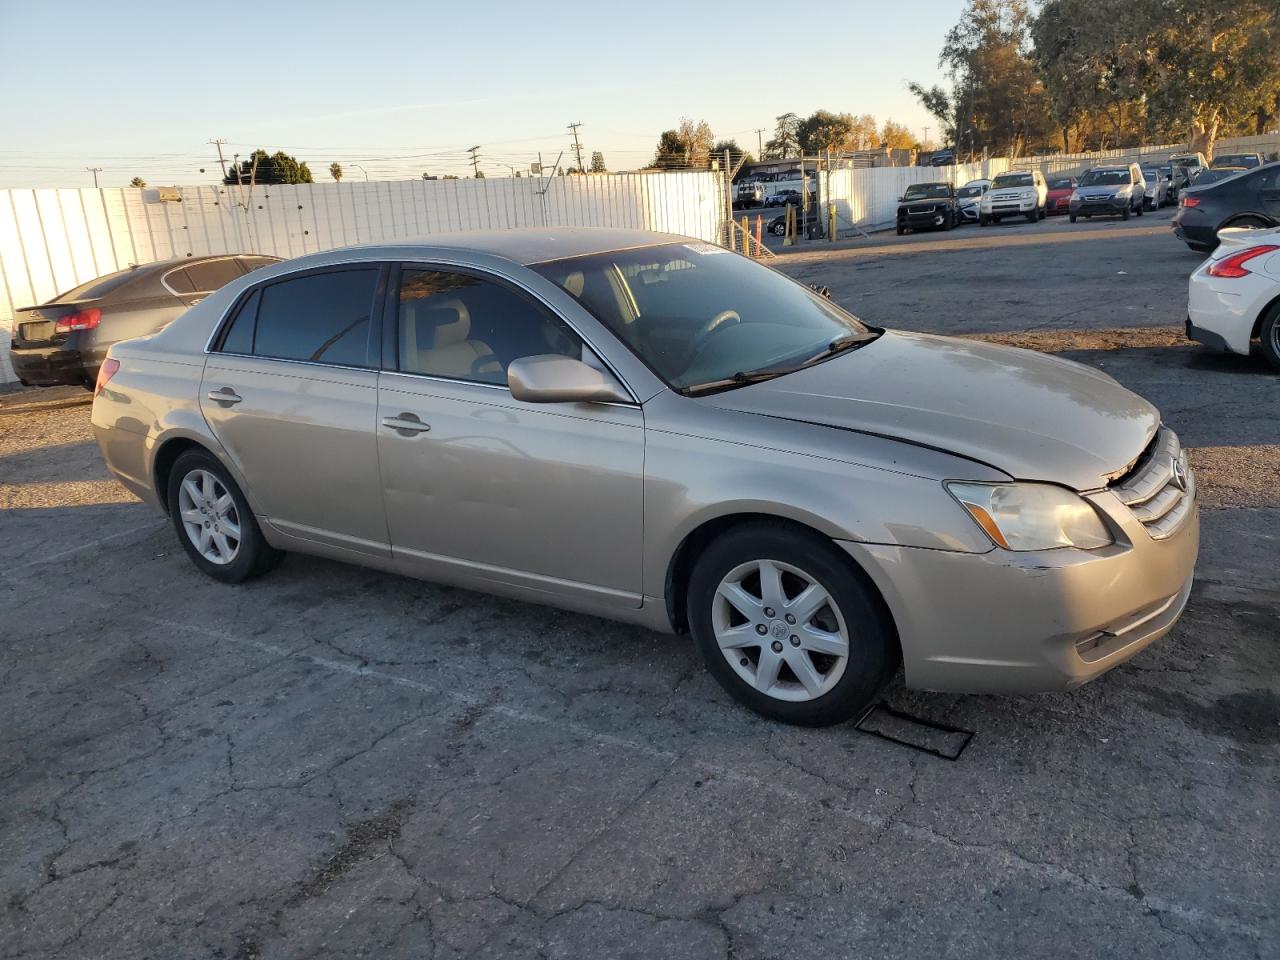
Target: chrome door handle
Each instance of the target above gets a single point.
(406, 423)
(225, 395)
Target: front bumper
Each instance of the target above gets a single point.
(1010, 622)
(1186, 229)
(922, 220)
(1112, 206)
(1008, 208)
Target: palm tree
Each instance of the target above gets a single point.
(335, 170)
(137, 182)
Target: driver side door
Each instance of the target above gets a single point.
(481, 489)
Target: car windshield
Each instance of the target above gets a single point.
(1167, 171)
(703, 318)
(1064, 184)
(1150, 174)
(969, 192)
(1104, 178)
(926, 191)
(1013, 180)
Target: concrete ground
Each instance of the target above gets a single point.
(332, 762)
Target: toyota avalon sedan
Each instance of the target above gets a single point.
(654, 429)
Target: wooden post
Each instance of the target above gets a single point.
(759, 243)
(746, 236)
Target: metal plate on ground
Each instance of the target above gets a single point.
(927, 736)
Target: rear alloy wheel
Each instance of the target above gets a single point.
(214, 522)
(788, 626)
(1270, 334)
(1071, 217)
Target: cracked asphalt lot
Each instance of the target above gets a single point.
(333, 762)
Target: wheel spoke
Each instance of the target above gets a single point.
(812, 599)
(740, 600)
(821, 641)
(231, 529)
(223, 504)
(736, 637)
(805, 672)
(192, 515)
(771, 585)
(193, 492)
(220, 544)
(767, 669)
(203, 540)
(207, 487)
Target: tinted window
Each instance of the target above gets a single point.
(1066, 184)
(927, 191)
(1013, 180)
(254, 263)
(239, 338)
(98, 287)
(212, 274)
(465, 328)
(178, 281)
(1100, 178)
(323, 317)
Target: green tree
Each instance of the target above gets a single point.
(479, 175)
(597, 162)
(696, 139)
(785, 141)
(895, 136)
(670, 154)
(736, 153)
(137, 182)
(270, 169)
(997, 99)
(823, 130)
(335, 170)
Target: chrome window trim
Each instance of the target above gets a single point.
(305, 363)
(446, 262)
(164, 278)
(495, 386)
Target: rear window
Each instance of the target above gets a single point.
(98, 287)
(212, 274)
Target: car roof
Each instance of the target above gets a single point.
(522, 245)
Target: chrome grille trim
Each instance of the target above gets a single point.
(1151, 491)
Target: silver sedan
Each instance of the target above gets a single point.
(657, 430)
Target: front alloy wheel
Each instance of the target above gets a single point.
(780, 631)
(789, 625)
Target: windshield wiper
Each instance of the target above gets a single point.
(847, 341)
(739, 379)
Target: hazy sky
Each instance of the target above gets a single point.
(401, 88)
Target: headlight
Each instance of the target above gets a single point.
(1032, 516)
(1075, 194)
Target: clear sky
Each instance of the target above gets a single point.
(137, 88)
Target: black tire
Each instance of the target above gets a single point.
(874, 653)
(1033, 216)
(947, 222)
(1269, 331)
(1044, 212)
(254, 556)
(1071, 217)
(983, 220)
(994, 218)
(1141, 207)
(1126, 213)
(901, 230)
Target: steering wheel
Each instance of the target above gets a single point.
(720, 319)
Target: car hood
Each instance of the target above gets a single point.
(1031, 415)
(1103, 190)
(924, 202)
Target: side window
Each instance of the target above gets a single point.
(239, 336)
(321, 317)
(178, 281)
(212, 274)
(462, 327)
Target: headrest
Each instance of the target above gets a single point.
(574, 283)
(450, 321)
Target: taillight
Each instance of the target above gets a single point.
(105, 373)
(85, 319)
(1232, 267)
(1189, 201)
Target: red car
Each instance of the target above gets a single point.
(1060, 190)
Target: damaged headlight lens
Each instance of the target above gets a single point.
(1032, 516)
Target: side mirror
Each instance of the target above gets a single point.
(552, 378)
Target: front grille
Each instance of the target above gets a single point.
(1160, 490)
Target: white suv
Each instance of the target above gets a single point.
(1016, 193)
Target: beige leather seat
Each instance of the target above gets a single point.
(434, 340)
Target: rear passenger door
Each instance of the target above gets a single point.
(291, 392)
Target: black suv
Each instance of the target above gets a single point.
(927, 206)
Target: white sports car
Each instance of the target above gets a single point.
(1234, 296)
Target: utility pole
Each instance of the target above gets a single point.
(926, 135)
(218, 142)
(95, 171)
(759, 143)
(235, 163)
(475, 160)
(577, 147)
